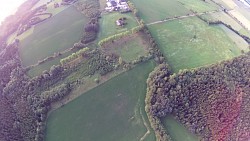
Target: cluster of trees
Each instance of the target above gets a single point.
(133, 9)
(90, 31)
(25, 101)
(12, 22)
(212, 102)
(154, 49)
(74, 56)
(91, 10)
(90, 62)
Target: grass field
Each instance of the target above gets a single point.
(154, 10)
(191, 43)
(54, 35)
(109, 27)
(114, 111)
(199, 5)
(128, 48)
(177, 131)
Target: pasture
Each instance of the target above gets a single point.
(191, 43)
(129, 48)
(54, 35)
(108, 25)
(113, 111)
(155, 10)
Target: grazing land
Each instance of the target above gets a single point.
(112, 111)
(109, 27)
(190, 43)
(54, 35)
(128, 48)
(156, 10)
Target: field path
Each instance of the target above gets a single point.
(146, 125)
(182, 17)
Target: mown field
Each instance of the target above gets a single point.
(156, 10)
(108, 25)
(111, 112)
(128, 48)
(54, 35)
(190, 43)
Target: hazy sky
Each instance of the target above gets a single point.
(8, 7)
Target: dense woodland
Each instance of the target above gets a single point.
(212, 102)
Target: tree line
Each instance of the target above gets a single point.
(212, 102)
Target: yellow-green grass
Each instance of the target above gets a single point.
(155, 10)
(177, 131)
(113, 111)
(129, 48)
(53, 35)
(191, 43)
(238, 41)
(199, 5)
(108, 25)
(221, 16)
(245, 32)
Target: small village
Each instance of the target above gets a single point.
(117, 5)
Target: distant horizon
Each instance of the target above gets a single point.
(8, 8)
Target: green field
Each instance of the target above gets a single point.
(154, 10)
(54, 35)
(199, 5)
(109, 27)
(177, 131)
(128, 48)
(114, 111)
(190, 43)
